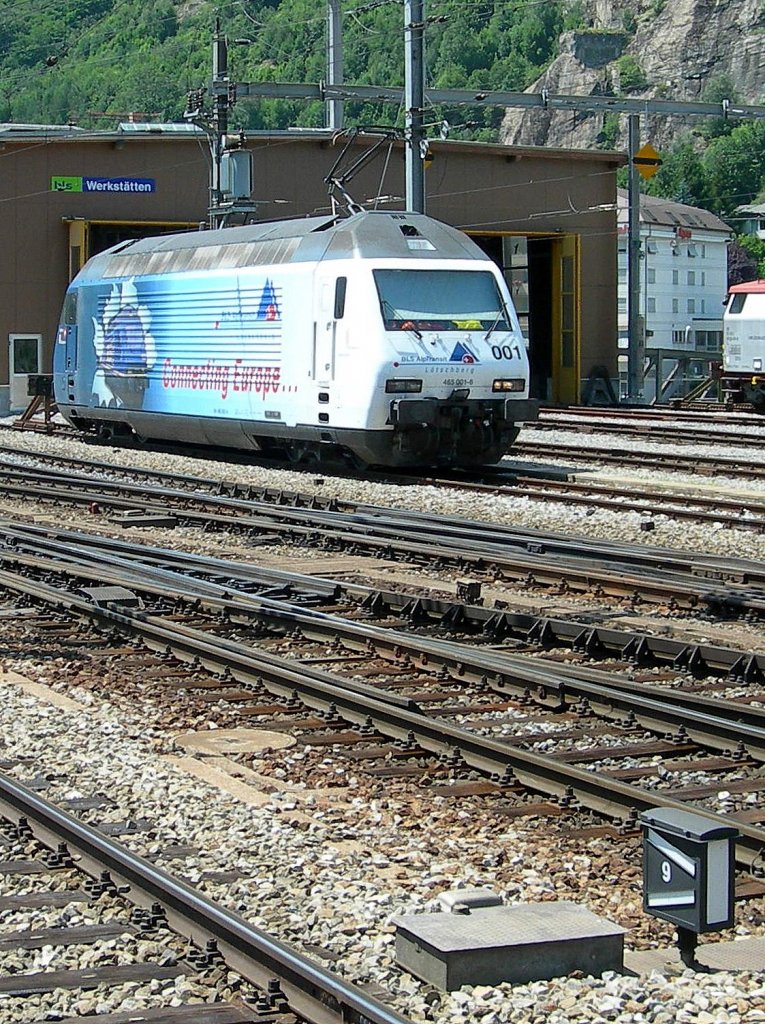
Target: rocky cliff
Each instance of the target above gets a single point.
(668, 49)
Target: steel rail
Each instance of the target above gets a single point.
(381, 531)
(539, 772)
(636, 646)
(697, 464)
(716, 723)
(512, 482)
(671, 433)
(219, 599)
(454, 526)
(696, 508)
(701, 413)
(311, 990)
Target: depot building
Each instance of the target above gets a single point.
(547, 217)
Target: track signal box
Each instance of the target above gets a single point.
(688, 869)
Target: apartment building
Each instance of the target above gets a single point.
(683, 284)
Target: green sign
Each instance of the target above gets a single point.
(62, 183)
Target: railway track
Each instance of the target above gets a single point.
(525, 723)
(729, 587)
(708, 415)
(699, 465)
(132, 900)
(662, 433)
(732, 512)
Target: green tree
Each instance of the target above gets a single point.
(681, 176)
(755, 247)
(632, 78)
(718, 89)
(145, 55)
(734, 167)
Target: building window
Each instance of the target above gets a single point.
(678, 337)
(650, 275)
(692, 250)
(691, 277)
(675, 306)
(703, 278)
(703, 249)
(622, 304)
(691, 308)
(703, 306)
(709, 340)
(651, 246)
(650, 305)
(675, 277)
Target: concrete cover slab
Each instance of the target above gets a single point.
(517, 944)
(743, 955)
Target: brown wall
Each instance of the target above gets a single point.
(35, 237)
(485, 188)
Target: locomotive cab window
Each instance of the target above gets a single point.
(440, 300)
(69, 312)
(737, 302)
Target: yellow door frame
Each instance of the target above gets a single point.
(566, 319)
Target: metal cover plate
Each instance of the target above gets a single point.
(492, 927)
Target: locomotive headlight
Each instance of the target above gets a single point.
(402, 385)
(509, 384)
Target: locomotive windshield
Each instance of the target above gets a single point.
(441, 300)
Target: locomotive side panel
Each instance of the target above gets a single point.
(213, 346)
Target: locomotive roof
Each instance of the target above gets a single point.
(748, 287)
(369, 234)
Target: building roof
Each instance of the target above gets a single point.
(751, 209)
(48, 132)
(179, 130)
(665, 213)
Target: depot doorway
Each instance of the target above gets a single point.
(89, 237)
(543, 275)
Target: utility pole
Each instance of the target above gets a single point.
(334, 107)
(635, 324)
(414, 88)
(220, 118)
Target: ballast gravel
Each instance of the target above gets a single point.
(333, 876)
(597, 523)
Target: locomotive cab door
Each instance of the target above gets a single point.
(330, 307)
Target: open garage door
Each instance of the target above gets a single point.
(89, 237)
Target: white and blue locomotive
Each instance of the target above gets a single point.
(743, 369)
(389, 337)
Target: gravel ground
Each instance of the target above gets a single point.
(335, 873)
(523, 512)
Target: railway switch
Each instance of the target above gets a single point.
(688, 874)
